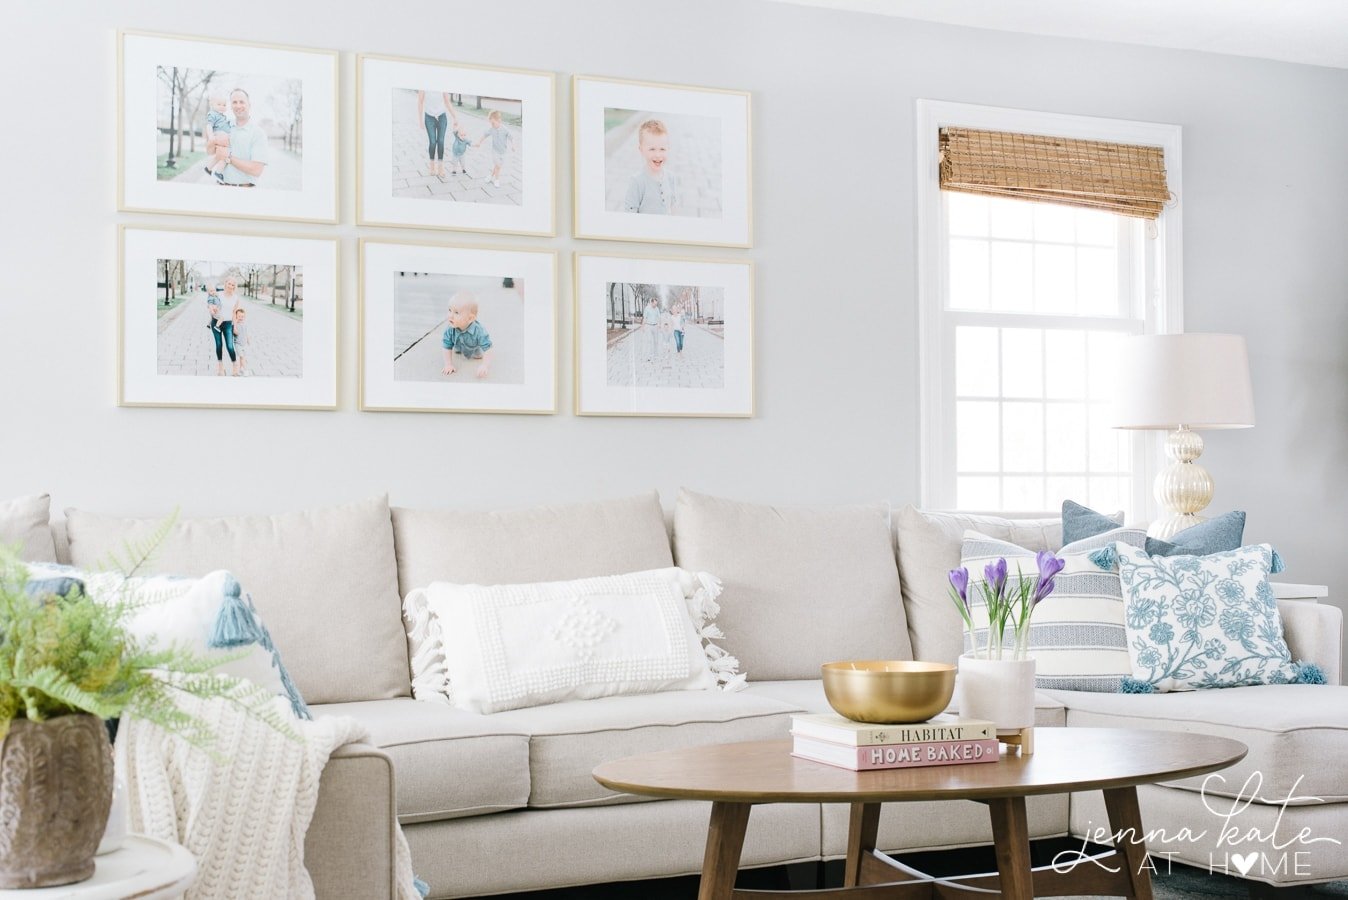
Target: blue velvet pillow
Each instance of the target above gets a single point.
(1219, 535)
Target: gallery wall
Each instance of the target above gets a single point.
(836, 345)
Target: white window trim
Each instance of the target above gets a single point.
(1164, 280)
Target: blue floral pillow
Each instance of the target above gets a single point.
(1203, 621)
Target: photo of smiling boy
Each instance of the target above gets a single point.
(653, 189)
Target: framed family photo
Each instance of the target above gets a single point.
(222, 128)
(663, 337)
(660, 162)
(447, 145)
(217, 319)
(457, 329)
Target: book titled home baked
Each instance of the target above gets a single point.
(833, 727)
(896, 756)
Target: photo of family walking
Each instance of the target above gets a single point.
(225, 319)
(449, 145)
(457, 329)
(663, 337)
(458, 148)
(460, 328)
(227, 128)
(661, 162)
(242, 319)
(666, 335)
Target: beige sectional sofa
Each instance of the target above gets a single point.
(501, 803)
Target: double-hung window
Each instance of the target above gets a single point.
(1022, 307)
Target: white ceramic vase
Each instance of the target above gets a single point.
(1000, 690)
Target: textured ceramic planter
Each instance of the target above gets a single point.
(1000, 690)
(55, 791)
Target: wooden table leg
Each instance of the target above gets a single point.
(725, 839)
(862, 827)
(1125, 821)
(1011, 839)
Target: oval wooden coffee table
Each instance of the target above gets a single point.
(1113, 760)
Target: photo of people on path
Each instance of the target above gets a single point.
(458, 328)
(457, 147)
(229, 129)
(238, 319)
(666, 335)
(662, 163)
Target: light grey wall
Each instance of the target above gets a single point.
(1264, 215)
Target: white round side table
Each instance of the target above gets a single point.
(143, 867)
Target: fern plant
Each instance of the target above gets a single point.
(69, 653)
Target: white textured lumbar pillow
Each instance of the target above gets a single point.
(489, 649)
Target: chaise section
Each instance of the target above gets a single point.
(449, 763)
(568, 740)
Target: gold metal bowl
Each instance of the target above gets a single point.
(888, 692)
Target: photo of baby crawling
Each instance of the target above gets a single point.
(665, 335)
(662, 163)
(457, 147)
(458, 328)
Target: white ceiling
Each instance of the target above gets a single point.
(1314, 32)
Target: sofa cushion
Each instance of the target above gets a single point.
(1297, 734)
(324, 580)
(447, 763)
(567, 740)
(802, 585)
(808, 695)
(929, 547)
(547, 543)
(24, 521)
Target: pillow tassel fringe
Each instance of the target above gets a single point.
(1131, 685)
(704, 607)
(235, 624)
(1309, 673)
(1277, 566)
(1106, 557)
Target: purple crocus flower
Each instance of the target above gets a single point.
(1049, 567)
(959, 580)
(995, 575)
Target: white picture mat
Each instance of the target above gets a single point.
(538, 269)
(593, 393)
(593, 96)
(141, 190)
(141, 382)
(379, 78)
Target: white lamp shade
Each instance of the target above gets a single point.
(1196, 380)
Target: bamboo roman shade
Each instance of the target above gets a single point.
(1127, 179)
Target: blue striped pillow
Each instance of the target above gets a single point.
(1077, 633)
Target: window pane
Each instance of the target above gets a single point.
(978, 492)
(1099, 228)
(1023, 494)
(1066, 435)
(966, 213)
(1023, 437)
(1066, 488)
(976, 362)
(1012, 277)
(1097, 282)
(1107, 494)
(1011, 218)
(1103, 441)
(1054, 223)
(968, 274)
(976, 430)
(1064, 363)
(1102, 363)
(1022, 362)
(1055, 279)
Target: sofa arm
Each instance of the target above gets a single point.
(349, 848)
(1314, 633)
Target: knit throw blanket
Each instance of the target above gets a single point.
(244, 815)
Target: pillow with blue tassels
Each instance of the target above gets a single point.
(209, 616)
(1198, 622)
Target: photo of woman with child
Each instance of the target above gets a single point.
(481, 135)
(666, 335)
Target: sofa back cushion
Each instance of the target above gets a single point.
(929, 547)
(802, 586)
(547, 543)
(24, 522)
(324, 580)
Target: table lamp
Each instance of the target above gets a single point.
(1183, 382)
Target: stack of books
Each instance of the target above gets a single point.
(943, 741)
